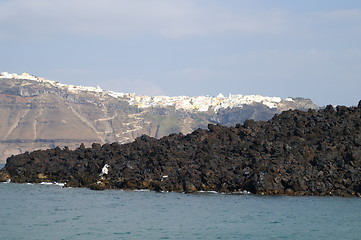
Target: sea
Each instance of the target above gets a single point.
(42, 211)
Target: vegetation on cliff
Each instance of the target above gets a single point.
(295, 153)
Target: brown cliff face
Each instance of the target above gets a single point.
(39, 115)
(39, 122)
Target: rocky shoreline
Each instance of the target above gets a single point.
(295, 153)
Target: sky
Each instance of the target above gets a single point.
(278, 48)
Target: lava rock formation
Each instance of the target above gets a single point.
(295, 153)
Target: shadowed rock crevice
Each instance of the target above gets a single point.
(294, 153)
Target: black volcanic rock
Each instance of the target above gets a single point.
(295, 153)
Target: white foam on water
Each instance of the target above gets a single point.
(53, 183)
(141, 190)
(244, 192)
(207, 192)
(59, 184)
(46, 183)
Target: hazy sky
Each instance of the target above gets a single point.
(309, 48)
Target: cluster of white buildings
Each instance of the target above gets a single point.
(25, 76)
(199, 103)
(204, 103)
(72, 88)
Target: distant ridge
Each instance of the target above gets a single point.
(38, 113)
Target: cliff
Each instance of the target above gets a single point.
(41, 114)
(294, 153)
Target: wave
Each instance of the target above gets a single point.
(141, 190)
(53, 183)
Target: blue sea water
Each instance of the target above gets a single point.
(51, 212)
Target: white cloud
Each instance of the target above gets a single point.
(121, 18)
(171, 19)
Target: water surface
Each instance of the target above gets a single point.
(52, 212)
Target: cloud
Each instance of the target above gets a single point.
(170, 19)
(123, 18)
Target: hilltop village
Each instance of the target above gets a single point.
(197, 103)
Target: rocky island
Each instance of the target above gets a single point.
(295, 153)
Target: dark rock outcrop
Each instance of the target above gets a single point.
(294, 153)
